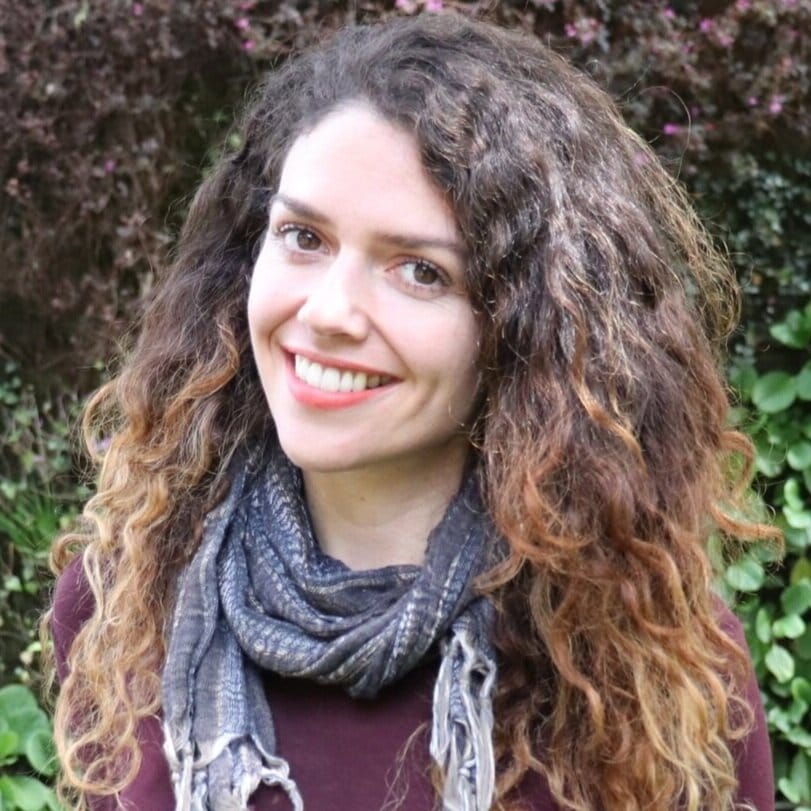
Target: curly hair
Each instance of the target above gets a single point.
(603, 440)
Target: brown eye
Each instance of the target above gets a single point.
(425, 273)
(300, 239)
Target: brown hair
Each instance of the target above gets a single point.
(602, 437)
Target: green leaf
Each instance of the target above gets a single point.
(26, 793)
(774, 392)
(796, 599)
(799, 519)
(763, 625)
(9, 741)
(780, 663)
(800, 571)
(792, 494)
(794, 330)
(801, 689)
(743, 377)
(745, 575)
(802, 646)
(799, 737)
(797, 785)
(791, 627)
(39, 749)
(804, 382)
(18, 702)
(799, 455)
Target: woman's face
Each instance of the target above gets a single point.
(364, 338)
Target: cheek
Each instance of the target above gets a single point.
(269, 301)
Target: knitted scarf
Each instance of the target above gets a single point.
(260, 595)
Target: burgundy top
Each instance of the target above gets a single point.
(353, 754)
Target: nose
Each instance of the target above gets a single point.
(335, 303)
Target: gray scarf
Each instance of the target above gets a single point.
(260, 595)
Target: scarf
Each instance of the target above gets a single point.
(260, 595)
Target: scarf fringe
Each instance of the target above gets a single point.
(462, 744)
(190, 783)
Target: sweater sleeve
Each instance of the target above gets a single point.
(72, 608)
(73, 605)
(752, 754)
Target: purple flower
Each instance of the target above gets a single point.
(706, 25)
(671, 129)
(404, 5)
(137, 9)
(248, 45)
(776, 104)
(752, 101)
(725, 40)
(743, 5)
(668, 13)
(433, 5)
(570, 29)
(243, 23)
(109, 165)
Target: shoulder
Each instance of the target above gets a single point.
(72, 606)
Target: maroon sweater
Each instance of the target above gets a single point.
(350, 754)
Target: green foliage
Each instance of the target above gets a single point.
(39, 494)
(776, 608)
(26, 745)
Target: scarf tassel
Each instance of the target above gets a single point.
(462, 743)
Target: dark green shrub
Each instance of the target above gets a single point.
(776, 606)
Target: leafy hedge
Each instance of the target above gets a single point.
(113, 108)
(776, 608)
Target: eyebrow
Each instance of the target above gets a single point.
(404, 241)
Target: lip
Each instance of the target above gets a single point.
(329, 400)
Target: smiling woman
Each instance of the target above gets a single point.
(412, 471)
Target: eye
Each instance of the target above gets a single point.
(297, 238)
(421, 276)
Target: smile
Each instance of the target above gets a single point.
(334, 379)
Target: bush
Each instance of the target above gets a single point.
(776, 608)
(26, 744)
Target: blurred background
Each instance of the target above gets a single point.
(113, 110)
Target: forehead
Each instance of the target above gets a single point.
(356, 165)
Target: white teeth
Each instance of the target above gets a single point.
(346, 382)
(359, 381)
(332, 379)
(314, 374)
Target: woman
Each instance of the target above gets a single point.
(419, 450)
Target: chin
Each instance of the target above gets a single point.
(316, 458)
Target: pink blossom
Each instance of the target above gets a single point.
(706, 25)
(668, 13)
(405, 5)
(433, 5)
(248, 45)
(776, 104)
(790, 3)
(137, 9)
(725, 40)
(671, 129)
(752, 101)
(570, 29)
(243, 23)
(109, 165)
(743, 5)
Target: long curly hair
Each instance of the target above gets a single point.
(602, 437)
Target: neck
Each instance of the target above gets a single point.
(382, 515)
